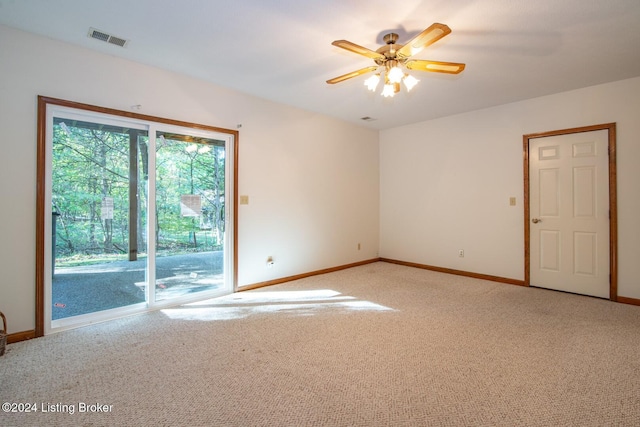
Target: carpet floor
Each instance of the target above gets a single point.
(375, 345)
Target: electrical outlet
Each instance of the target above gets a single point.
(358, 246)
(461, 253)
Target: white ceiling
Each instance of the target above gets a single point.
(281, 49)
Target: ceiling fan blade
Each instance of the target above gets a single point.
(351, 75)
(435, 66)
(352, 47)
(426, 38)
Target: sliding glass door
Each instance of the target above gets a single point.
(137, 214)
(190, 215)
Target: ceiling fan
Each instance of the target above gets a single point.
(392, 56)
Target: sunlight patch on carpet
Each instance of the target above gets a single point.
(245, 304)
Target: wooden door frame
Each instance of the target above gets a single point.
(613, 201)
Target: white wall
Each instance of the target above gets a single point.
(445, 184)
(312, 180)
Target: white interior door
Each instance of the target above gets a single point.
(569, 211)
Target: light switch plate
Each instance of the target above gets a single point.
(244, 200)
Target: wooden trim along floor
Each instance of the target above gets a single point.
(456, 272)
(20, 336)
(625, 300)
(303, 275)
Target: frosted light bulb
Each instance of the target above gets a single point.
(409, 82)
(372, 82)
(388, 90)
(395, 75)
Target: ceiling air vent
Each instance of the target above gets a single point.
(105, 37)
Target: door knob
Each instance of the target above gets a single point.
(536, 220)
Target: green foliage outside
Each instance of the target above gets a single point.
(91, 166)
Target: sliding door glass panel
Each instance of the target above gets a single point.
(190, 215)
(99, 195)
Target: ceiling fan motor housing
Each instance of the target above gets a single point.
(390, 49)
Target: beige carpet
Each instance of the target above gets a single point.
(376, 345)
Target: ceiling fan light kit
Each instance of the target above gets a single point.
(392, 58)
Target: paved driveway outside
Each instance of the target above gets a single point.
(86, 289)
